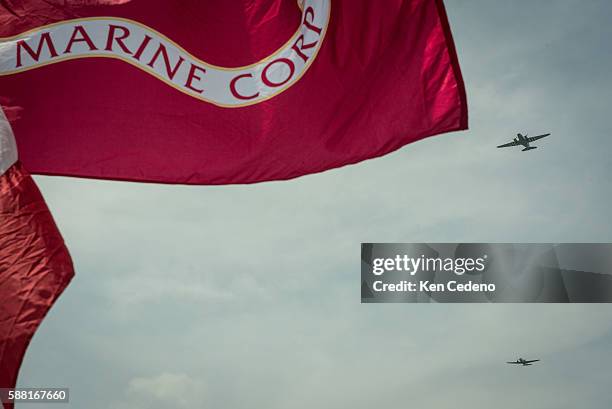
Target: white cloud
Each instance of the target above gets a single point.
(167, 390)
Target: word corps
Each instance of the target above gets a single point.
(156, 54)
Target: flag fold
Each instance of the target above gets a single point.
(35, 265)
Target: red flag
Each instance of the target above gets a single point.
(35, 266)
(215, 92)
(200, 92)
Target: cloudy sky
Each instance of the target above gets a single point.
(248, 296)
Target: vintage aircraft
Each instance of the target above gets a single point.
(523, 140)
(523, 362)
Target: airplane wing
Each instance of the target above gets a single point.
(517, 363)
(509, 144)
(533, 360)
(535, 138)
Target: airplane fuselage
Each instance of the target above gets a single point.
(524, 362)
(520, 138)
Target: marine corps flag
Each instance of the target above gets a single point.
(216, 91)
(221, 92)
